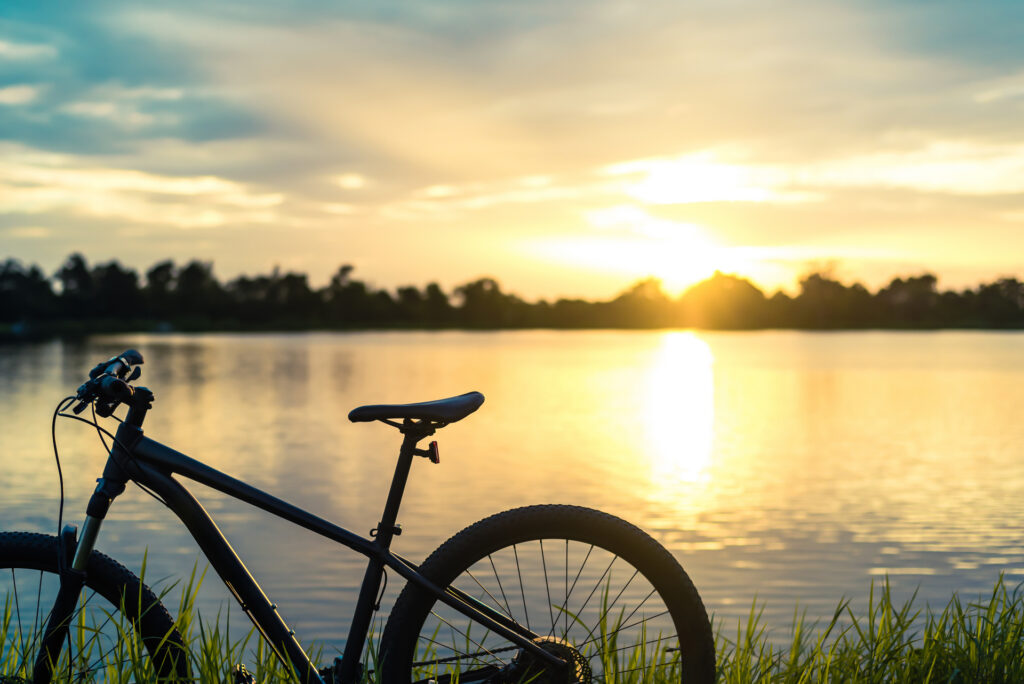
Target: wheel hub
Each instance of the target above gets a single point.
(526, 667)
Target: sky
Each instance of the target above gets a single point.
(562, 147)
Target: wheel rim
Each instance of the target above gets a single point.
(578, 594)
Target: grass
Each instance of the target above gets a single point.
(973, 641)
(978, 641)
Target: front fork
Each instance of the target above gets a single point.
(73, 560)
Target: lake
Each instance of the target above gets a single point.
(794, 467)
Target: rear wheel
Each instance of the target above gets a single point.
(600, 594)
(119, 631)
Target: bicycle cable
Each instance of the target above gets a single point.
(99, 433)
(61, 405)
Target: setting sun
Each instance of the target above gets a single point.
(629, 241)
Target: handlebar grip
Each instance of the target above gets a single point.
(115, 389)
(117, 365)
(110, 392)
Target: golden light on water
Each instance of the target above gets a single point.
(680, 410)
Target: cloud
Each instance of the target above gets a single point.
(28, 232)
(350, 181)
(18, 94)
(767, 124)
(953, 167)
(26, 51)
(34, 183)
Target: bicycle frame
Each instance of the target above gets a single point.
(152, 464)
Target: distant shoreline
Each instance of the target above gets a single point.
(76, 330)
(80, 299)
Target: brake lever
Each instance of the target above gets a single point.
(85, 395)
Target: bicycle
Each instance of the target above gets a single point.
(607, 601)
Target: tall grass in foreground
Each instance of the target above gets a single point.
(976, 641)
(979, 641)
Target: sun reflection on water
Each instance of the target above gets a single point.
(680, 411)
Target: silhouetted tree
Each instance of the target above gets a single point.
(192, 297)
(643, 305)
(77, 292)
(824, 303)
(436, 307)
(197, 294)
(117, 293)
(292, 299)
(25, 293)
(159, 289)
(724, 301)
(1000, 304)
(484, 305)
(910, 303)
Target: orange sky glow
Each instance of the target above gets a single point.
(565, 150)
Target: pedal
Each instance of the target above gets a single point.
(331, 674)
(242, 675)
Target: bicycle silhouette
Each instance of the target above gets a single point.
(546, 593)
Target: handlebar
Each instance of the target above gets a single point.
(117, 365)
(108, 383)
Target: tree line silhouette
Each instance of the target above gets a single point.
(79, 298)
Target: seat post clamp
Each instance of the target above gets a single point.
(431, 452)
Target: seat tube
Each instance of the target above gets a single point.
(385, 532)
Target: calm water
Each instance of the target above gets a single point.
(792, 467)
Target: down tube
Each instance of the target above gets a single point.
(231, 570)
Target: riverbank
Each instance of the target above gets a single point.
(970, 639)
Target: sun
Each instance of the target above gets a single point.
(627, 240)
(677, 253)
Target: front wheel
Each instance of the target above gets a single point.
(600, 594)
(119, 631)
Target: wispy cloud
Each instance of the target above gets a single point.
(33, 183)
(888, 127)
(26, 51)
(18, 94)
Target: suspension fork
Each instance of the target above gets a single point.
(73, 556)
(73, 561)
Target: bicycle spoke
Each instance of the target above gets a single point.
(17, 612)
(639, 606)
(460, 632)
(39, 602)
(461, 656)
(98, 631)
(90, 644)
(508, 609)
(616, 631)
(608, 609)
(468, 676)
(566, 601)
(649, 641)
(522, 591)
(573, 587)
(599, 580)
(547, 586)
(498, 605)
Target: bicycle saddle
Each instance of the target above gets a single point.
(440, 411)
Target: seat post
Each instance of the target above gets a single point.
(412, 433)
